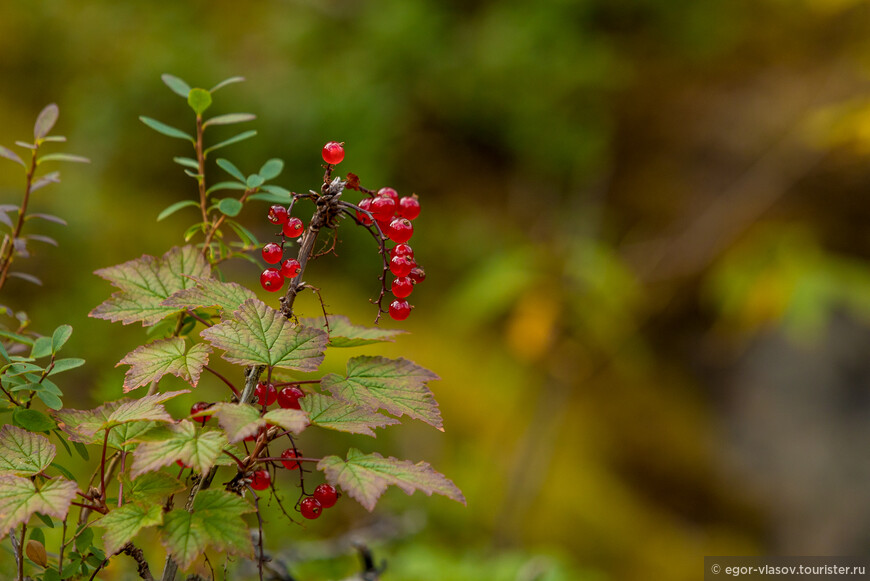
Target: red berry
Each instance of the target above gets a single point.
(409, 207)
(277, 214)
(400, 309)
(361, 216)
(310, 508)
(333, 152)
(272, 253)
(383, 208)
(288, 397)
(271, 280)
(260, 480)
(265, 393)
(401, 266)
(401, 250)
(326, 495)
(400, 230)
(293, 228)
(290, 453)
(290, 268)
(198, 407)
(417, 274)
(389, 193)
(402, 287)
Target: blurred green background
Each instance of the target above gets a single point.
(644, 227)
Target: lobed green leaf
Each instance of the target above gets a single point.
(210, 292)
(165, 444)
(333, 414)
(152, 361)
(24, 453)
(20, 499)
(343, 333)
(124, 523)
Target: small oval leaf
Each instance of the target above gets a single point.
(178, 86)
(9, 154)
(230, 207)
(63, 157)
(60, 336)
(32, 420)
(186, 162)
(231, 169)
(48, 217)
(230, 119)
(226, 186)
(226, 82)
(45, 121)
(165, 129)
(231, 140)
(199, 100)
(255, 181)
(174, 208)
(271, 169)
(27, 277)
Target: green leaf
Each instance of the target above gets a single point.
(395, 385)
(178, 86)
(257, 334)
(231, 140)
(246, 236)
(165, 129)
(229, 119)
(82, 450)
(151, 488)
(9, 154)
(63, 470)
(271, 197)
(230, 207)
(189, 233)
(343, 333)
(210, 292)
(271, 169)
(49, 178)
(62, 157)
(147, 408)
(45, 520)
(47, 217)
(24, 453)
(36, 534)
(27, 277)
(50, 400)
(122, 524)
(45, 121)
(32, 420)
(164, 445)
(60, 336)
(254, 181)
(61, 365)
(145, 282)
(365, 477)
(215, 521)
(333, 414)
(84, 540)
(231, 169)
(226, 82)
(226, 186)
(85, 426)
(238, 420)
(186, 162)
(20, 498)
(152, 361)
(172, 208)
(41, 348)
(199, 100)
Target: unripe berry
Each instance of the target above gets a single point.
(400, 309)
(290, 454)
(271, 280)
(198, 407)
(288, 397)
(265, 393)
(383, 208)
(401, 266)
(293, 228)
(310, 508)
(417, 274)
(400, 230)
(326, 495)
(402, 287)
(365, 204)
(290, 268)
(277, 214)
(272, 253)
(389, 193)
(409, 207)
(333, 152)
(260, 479)
(401, 250)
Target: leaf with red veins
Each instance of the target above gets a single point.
(20, 498)
(152, 361)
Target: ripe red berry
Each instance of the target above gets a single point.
(290, 453)
(333, 152)
(265, 393)
(288, 397)
(290, 268)
(310, 508)
(272, 253)
(402, 287)
(383, 208)
(326, 495)
(271, 280)
(277, 214)
(260, 479)
(365, 204)
(400, 230)
(409, 207)
(389, 193)
(417, 274)
(401, 266)
(198, 407)
(400, 309)
(401, 250)
(293, 228)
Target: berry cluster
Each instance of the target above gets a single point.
(394, 216)
(272, 278)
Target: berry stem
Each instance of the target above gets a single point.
(222, 378)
